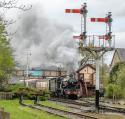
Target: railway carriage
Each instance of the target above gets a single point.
(55, 86)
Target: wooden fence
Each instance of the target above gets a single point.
(4, 115)
(6, 95)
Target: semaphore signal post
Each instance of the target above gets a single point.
(96, 45)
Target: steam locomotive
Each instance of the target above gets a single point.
(67, 87)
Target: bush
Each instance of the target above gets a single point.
(113, 91)
(45, 95)
(31, 94)
(15, 87)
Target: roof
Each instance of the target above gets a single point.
(121, 53)
(89, 65)
(48, 68)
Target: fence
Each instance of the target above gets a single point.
(6, 95)
(4, 115)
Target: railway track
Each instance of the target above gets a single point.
(106, 107)
(103, 106)
(72, 102)
(59, 112)
(112, 109)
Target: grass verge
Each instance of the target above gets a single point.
(19, 112)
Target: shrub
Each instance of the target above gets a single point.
(113, 91)
(15, 87)
(31, 94)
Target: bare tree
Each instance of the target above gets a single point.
(11, 4)
(7, 4)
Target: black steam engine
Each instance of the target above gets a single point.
(67, 87)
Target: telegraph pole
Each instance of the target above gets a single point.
(27, 69)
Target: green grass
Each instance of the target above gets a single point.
(54, 105)
(29, 102)
(47, 103)
(19, 112)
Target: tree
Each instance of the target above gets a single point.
(104, 74)
(117, 73)
(6, 58)
(7, 4)
(116, 86)
(121, 79)
(113, 91)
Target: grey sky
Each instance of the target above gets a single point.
(54, 10)
(53, 15)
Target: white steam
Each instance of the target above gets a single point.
(49, 42)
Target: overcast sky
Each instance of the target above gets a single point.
(96, 8)
(54, 13)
